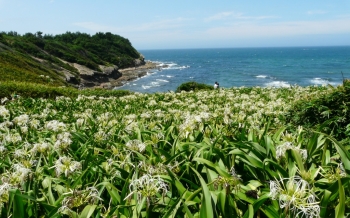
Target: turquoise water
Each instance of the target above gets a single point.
(277, 67)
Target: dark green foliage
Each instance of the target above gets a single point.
(330, 113)
(18, 54)
(193, 86)
(33, 90)
(98, 49)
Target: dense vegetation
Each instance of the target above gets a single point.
(330, 113)
(193, 86)
(16, 90)
(20, 67)
(228, 153)
(20, 55)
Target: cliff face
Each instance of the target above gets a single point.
(91, 78)
(110, 76)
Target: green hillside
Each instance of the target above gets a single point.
(43, 59)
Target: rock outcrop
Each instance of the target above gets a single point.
(92, 78)
(111, 76)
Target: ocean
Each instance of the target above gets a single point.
(248, 67)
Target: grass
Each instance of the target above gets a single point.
(33, 90)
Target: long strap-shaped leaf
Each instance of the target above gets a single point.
(340, 208)
(344, 154)
(206, 207)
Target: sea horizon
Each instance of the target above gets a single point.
(244, 47)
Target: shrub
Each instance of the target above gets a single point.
(330, 113)
(193, 86)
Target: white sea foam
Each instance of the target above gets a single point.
(261, 76)
(154, 83)
(176, 67)
(168, 76)
(146, 87)
(162, 80)
(277, 84)
(320, 81)
(171, 66)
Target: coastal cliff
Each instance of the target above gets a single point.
(72, 59)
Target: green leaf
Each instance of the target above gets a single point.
(112, 191)
(18, 205)
(250, 211)
(324, 202)
(171, 213)
(88, 211)
(276, 169)
(213, 166)
(270, 148)
(188, 212)
(222, 201)
(206, 207)
(182, 190)
(47, 184)
(250, 160)
(298, 160)
(340, 208)
(344, 154)
(270, 212)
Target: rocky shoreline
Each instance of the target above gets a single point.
(133, 73)
(111, 76)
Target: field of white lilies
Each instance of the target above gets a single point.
(220, 153)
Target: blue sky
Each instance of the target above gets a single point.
(162, 24)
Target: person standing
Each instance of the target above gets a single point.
(216, 85)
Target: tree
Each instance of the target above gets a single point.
(39, 34)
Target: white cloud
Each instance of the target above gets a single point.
(281, 29)
(223, 15)
(94, 26)
(181, 32)
(316, 12)
(236, 16)
(169, 24)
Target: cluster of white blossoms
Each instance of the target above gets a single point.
(159, 168)
(4, 112)
(66, 165)
(16, 176)
(41, 148)
(136, 145)
(21, 120)
(63, 141)
(77, 198)
(55, 126)
(281, 150)
(147, 186)
(4, 193)
(295, 195)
